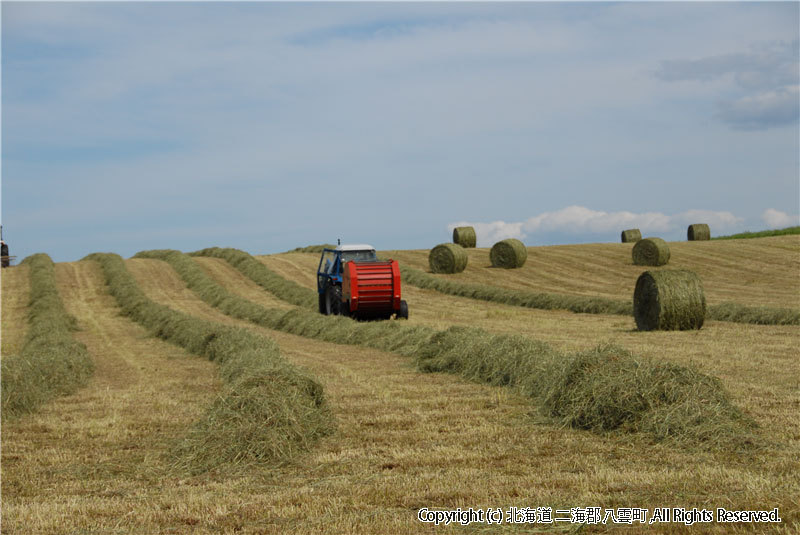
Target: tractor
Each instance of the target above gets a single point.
(352, 281)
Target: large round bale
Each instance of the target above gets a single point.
(465, 236)
(631, 235)
(447, 258)
(669, 300)
(510, 253)
(650, 252)
(698, 232)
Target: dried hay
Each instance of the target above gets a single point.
(509, 253)
(669, 300)
(447, 258)
(650, 252)
(464, 236)
(631, 235)
(698, 232)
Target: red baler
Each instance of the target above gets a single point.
(372, 290)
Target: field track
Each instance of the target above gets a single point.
(97, 461)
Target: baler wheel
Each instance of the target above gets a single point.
(403, 312)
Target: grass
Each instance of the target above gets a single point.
(269, 412)
(51, 363)
(507, 360)
(405, 440)
(760, 234)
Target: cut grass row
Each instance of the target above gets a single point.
(51, 363)
(269, 411)
(601, 390)
(733, 312)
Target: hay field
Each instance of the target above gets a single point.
(96, 461)
(760, 271)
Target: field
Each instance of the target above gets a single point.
(103, 459)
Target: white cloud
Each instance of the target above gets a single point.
(777, 219)
(579, 220)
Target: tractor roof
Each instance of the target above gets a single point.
(355, 247)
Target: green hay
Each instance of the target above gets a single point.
(447, 258)
(762, 315)
(631, 235)
(603, 390)
(465, 236)
(608, 389)
(698, 232)
(312, 248)
(650, 252)
(669, 300)
(289, 407)
(51, 363)
(509, 254)
(676, 402)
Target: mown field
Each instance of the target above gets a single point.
(111, 457)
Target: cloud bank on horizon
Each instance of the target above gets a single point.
(576, 223)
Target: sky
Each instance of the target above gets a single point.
(268, 126)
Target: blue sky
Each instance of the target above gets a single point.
(267, 126)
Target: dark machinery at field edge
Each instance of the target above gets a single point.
(351, 281)
(5, 259)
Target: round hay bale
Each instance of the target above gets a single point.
(465, 236)
(631, 235)
(650, 252)
(669, 300)
(510, 253)
(447, 258)
(698, 231)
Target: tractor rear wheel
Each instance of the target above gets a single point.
(333, 300)
(321, 303)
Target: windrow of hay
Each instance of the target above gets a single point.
(608, 388)
(738, 313)
(631, 235)
(509, 253)
(51, 363)
(312, 248)
(447, 258)
(465, 236)
(287, 290)
(650, 252)
(602, 390)
(532, 367)
(669, 300)
(269, 411)
(698, 232)
(537, 300)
